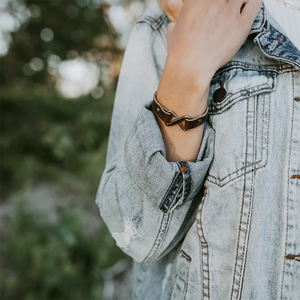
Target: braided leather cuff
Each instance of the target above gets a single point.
(170, 118)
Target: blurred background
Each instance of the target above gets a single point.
(60, 61)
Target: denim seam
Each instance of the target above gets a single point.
(167, 205)
(213, 109)
(272, 56)
(235, 64)
(253, 164)
(249, 213)
(236, 281)
(253, 169)
(146, 19)
(288, 190)
(181, 183)
(153, 22)
(164, 224)
(204, 249)
(163, 40)
(186, 277)
(243, 232)
(186, 183)
(173, 289)
(247, 93)
(164, 234)
(283, 59)
(159, 21)
(238, 239)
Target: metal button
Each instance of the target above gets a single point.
(219, 94)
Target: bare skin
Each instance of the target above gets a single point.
(171, 8)
(204, 36)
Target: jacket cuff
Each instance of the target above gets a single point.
(172, 184)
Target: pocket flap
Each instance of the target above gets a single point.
(239, 83)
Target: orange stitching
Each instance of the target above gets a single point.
(187, 278)
(295, 257)
(288, 190)
(184, 168)
(199, 221)
(241, 215)
(183, 253)
(295, 177)
(250, 206)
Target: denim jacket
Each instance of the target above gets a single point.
(226, 226)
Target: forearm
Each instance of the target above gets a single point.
(146, 201)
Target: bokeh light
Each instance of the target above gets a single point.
(77, 77)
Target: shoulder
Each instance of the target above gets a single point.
(154, 16)
(151, 27)
(148, 36)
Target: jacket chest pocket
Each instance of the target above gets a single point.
(239, 103)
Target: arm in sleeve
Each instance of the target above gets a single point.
(146, 202)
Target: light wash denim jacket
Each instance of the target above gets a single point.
(226, 226)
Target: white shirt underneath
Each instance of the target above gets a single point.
(287, 18)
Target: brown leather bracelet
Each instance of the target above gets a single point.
(170, 118)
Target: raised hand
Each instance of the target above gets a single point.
(206, 35)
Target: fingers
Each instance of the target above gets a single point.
(251, 9)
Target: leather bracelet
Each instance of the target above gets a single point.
(170, 118)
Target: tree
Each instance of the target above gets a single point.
(55, 29)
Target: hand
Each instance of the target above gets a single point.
(171, 8)
(208, 33)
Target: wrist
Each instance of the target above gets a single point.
(199, 73)
(183, 93)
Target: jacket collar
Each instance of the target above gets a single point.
(272, 41)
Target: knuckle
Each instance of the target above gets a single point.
(173, 6)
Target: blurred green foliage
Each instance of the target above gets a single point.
(42, 261)
(61, 143)
(53, 139)
(47, 139)
(79, 25)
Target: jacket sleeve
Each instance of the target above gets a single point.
(147, 202)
